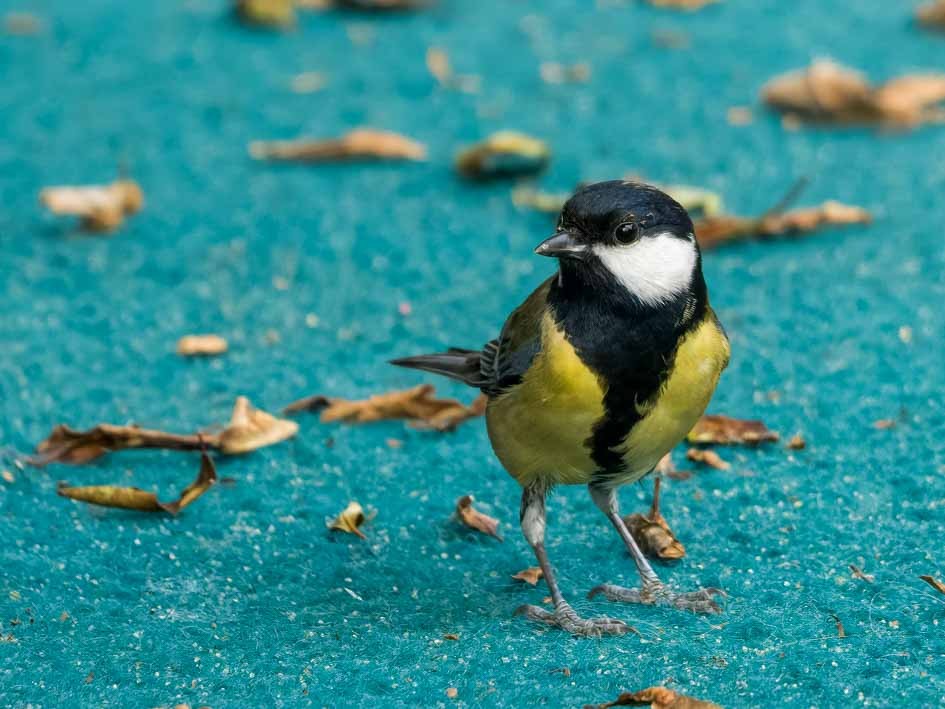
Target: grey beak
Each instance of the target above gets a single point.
(561, 245)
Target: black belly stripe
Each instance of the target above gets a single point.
(630, 347)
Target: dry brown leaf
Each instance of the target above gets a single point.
(452, 692)
(384, 5)
(250, 428)
(797, 443)
(657, 698)
(349, 520)
(361, 144)
(66, 445)
(418, 404)
(740, 116)
(841, 631)
(934, 583)
(716, 429)
(266, 13)
(858, 573)
(308, 82)
(724, 228)
(682, 4)
(503, 154)
(829, 93)
(932, 15)
(474, 519)
(133, 498)
(557, 73)
(201, 345)
(100, 207)
(652, 531)
(885, 424)
(22, 23)
(450, 636)
(438, 64)
(529, 575)
(707, 457)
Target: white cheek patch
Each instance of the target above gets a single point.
(654, 269)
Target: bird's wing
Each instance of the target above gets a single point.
(504, 361)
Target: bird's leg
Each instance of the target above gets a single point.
(563, 616)
(652, 590)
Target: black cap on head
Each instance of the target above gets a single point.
(597, 209)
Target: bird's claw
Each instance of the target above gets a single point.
(567, 619)
(700, 601)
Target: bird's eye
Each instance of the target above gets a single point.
(627, 232)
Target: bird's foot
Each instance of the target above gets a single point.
(567, 619)
(657, 593)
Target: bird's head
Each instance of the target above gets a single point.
(628, 235)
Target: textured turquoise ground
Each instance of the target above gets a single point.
(245, 599)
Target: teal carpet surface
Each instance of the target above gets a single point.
(246, 599)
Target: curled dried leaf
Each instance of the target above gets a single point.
(841, 631)
(932, 15)
(438, 64)
(797, 443)
(201, 345)
(67, 445)
(724, 430)
(725, 228)
(22, 23)
(557, 73)
(361, 144)
(266, 13)
(474, 519)
(100, 207)
(418, 404)
(652, 531)
(133, 498)
(384, 5)
(682, 4)
(251, 428)
(503, 154)
(531, 575)
(934, 583)
(707, 457)
(308, 82)
(858, 573)
(526, 196)
(657, 698)
(350, 519)
(830, 93)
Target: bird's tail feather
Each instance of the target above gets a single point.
(458, 364)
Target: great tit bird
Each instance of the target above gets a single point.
(602, 370)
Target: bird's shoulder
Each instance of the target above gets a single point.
(505, 360)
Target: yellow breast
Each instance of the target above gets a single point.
(671, 414)
(539, 428)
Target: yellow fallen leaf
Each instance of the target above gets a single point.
(250, 428)
(724, 430)
(201, 345)
(503, 154)
(133, 498)
(100, 207)
(707, 457)
(475, 519)
(651, 531)
(349, 520)
(529, 575)
(361, 144)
